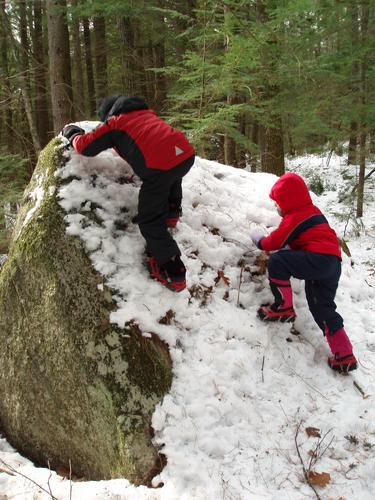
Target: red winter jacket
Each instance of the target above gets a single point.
(303, 226)
(143, 139)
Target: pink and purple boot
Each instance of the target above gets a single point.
(282, 309)
(343, 359)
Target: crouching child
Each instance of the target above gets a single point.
(307, 248)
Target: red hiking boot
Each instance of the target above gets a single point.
(343, 365)
(266, 313)
(171, 274)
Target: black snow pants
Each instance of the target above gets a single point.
(159, 192)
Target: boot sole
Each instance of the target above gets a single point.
(284, 319)
(343, 369)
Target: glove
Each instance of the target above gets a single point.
(256, 236)
(70, 131)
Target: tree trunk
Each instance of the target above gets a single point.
(24, 46)
(5, 89)
(363, 113)
(42, 117)
(230, 150)
(77, 66)
(230, 157)
(160, 87)
(147, 61)
(142, 53)
(101, 78)
(126, 36)
(271, 132)
(24, 50)
(353, 138)
(255, 140)
(23, 73)
(272, 148)
(229, 143)
(89, 67)
(353, 142)
(59, 64)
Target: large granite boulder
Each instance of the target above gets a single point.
(75, 389)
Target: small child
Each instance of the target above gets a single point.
(313, 255)
(161, 156)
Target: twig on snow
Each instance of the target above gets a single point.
(12, 469)
(70, 480)
(6, 471)
(263, 368)
(49, 479)
(319, 450)
(239, 284)
(305, 471)
(357, 386)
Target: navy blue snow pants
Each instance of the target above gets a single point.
(321, 273)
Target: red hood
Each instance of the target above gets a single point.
(290, 192)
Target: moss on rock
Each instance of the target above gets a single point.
(75, 388)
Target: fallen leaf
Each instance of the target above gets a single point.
(313, 432)
(221, 276)
(261, 262)
(319, 478)
(168, 318)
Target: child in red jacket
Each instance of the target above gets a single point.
(160, 155)
(313, 255)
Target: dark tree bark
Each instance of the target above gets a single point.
(363, 133)
(89, 66)
(42, 106)
(21, 62)
(77, 66)
(353, 138)
(271, 133)
(59, 64)
(230, 156)
(126, 36)
(353, 142)
(160, 84)
(272, 147)
(101, 78)
(25, 46)
(255, 140)
(229, 143)
(5, 89)
(23, 51)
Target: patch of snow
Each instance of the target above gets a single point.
(36, 195)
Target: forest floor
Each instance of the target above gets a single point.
(253, 408)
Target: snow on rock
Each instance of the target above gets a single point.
(240, 387)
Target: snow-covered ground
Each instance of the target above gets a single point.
(233, 426)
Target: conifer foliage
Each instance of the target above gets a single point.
(250, 80)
